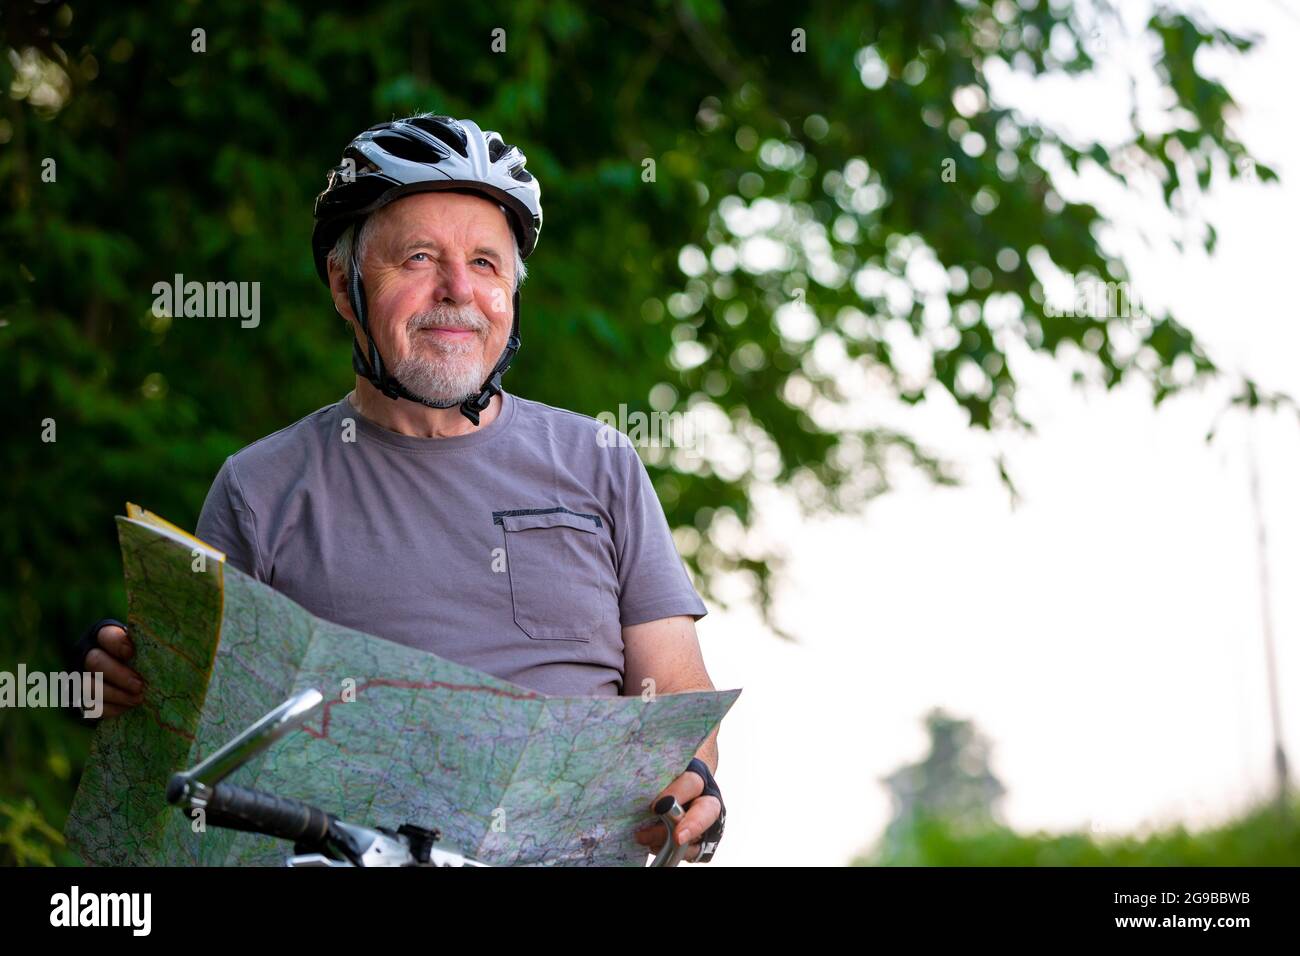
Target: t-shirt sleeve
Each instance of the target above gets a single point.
(653, 580)
(228, 524)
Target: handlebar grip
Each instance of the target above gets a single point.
(243, 809)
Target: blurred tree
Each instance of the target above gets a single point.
(953, 782)
(746, 206)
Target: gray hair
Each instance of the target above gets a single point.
(342, 251)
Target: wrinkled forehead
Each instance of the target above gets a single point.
(486, 218)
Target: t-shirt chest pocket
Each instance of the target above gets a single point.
(560, 574)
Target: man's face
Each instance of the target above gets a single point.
(438, 270)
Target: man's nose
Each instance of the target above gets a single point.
(454, 285)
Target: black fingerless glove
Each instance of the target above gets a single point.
(709, 841)
(78, 652)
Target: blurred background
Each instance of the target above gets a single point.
(982, 312)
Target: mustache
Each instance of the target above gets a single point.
(469, 319)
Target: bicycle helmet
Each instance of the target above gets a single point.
(424, 154)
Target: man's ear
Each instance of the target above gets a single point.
(339, 291)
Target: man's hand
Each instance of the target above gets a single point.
(123, 687)
(700, 815)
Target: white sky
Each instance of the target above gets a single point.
(1105, 635)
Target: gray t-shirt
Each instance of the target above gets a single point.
(521, 548)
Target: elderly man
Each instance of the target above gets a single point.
(433, 508)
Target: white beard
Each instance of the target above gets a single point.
(457, 369)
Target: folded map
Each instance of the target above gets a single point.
(509, 776)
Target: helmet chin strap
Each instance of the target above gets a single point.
(372, 366)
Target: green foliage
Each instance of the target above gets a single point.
(206, 163)
(26, 839)
(1265, 836)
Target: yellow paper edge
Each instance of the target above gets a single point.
(137, 513)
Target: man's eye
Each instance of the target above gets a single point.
(482, 259)
(425, 254)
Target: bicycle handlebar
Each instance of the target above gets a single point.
(283, 817)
